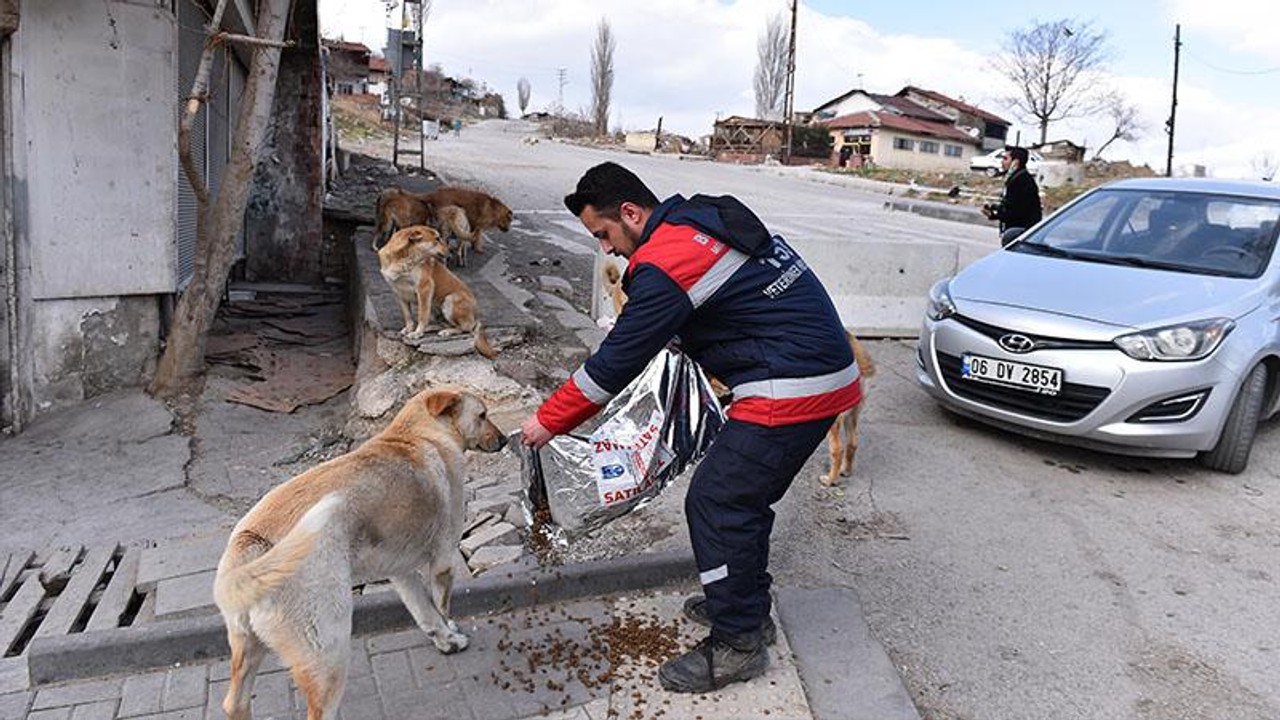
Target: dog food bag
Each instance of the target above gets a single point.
(645, 437)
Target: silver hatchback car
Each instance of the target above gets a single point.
(1143, 318)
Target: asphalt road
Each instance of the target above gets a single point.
(1007, 578)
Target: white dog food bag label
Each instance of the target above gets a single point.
(628, 458)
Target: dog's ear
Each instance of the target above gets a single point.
(441, 403)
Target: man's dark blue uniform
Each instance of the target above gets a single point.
(744, 304)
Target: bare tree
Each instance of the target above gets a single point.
(1125, 123)
(1050, 66)
(219, 218)
(1264, 165)
(771, 68)
(522, 93)
(602, 77)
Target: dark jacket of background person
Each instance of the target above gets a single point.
(1020, 205)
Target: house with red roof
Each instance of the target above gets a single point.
(898, 131)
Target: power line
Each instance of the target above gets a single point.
(1211, 66)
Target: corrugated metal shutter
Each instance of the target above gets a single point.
(191, 38)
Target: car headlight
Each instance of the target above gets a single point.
(1189, 341)
(940, 306)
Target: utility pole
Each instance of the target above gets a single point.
(560, 73)
(791, 87)
(1173, 108)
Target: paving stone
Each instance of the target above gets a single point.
(556, 301)
(101, 710)
(501, 532)
(78, 693)
(491, 556)
(185, 714)
(447, 701)
(177, 559)
(13, 675)
(392, 673)
(272, 695)
(62, 713)
(186, 687)
(392, 641)
(142, 694)
(185, 596)
(14, 704)
(515, 515)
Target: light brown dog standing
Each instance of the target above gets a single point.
(392, 508)
(842, 438)
(412, 263)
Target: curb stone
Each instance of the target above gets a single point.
(175, 642)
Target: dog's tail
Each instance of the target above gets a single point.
(866, 366)
(482, 343)
(243, 586)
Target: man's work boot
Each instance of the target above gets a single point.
(714, 663)
(695, 608)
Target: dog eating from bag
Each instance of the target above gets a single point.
(392, 508)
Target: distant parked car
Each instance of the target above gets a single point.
(1139, 319)
(990, 163)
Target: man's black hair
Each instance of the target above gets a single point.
(1018, 153)
(605, 187)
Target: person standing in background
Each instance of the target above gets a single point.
(1019, 207)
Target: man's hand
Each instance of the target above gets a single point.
(533, 435)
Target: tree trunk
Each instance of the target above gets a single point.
(217, 226)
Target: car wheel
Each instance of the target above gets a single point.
(1231, 454)
(993, 172)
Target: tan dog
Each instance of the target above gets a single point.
(451, 222)
(412, 263)
(612, 280)
(392, 508)
(483, 211)
(842, 438)
(398, 208)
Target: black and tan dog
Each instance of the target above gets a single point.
(392, 508)
(413, 264)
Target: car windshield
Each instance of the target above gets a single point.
(1198, 233)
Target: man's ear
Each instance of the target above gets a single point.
(630, 213)
(442, 402)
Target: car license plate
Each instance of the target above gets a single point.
(1044, 380)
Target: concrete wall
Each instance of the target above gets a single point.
(89, 96)
(878, 287)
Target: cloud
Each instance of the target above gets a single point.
(689, 61)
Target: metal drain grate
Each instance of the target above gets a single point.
(65, 591)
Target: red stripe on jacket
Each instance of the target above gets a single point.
(682, 252)
(566, 409)
(773, 412)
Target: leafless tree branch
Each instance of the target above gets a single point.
(771, 68)
(602, 76)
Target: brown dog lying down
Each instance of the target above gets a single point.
(842, 438)
(398, 208)
(412, 263)
(392, 508)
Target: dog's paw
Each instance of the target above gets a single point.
(415, 333)
(449, 641)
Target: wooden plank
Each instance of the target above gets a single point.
(11, 569)
(71, 602)
(115, 598)
(19, 611)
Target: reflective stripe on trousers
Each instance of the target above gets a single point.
(746, 470)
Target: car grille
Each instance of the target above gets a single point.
(1073, 402)
(1040, 342)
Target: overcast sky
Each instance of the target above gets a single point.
(690, 61)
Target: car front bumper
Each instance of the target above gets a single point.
(1102, 391)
